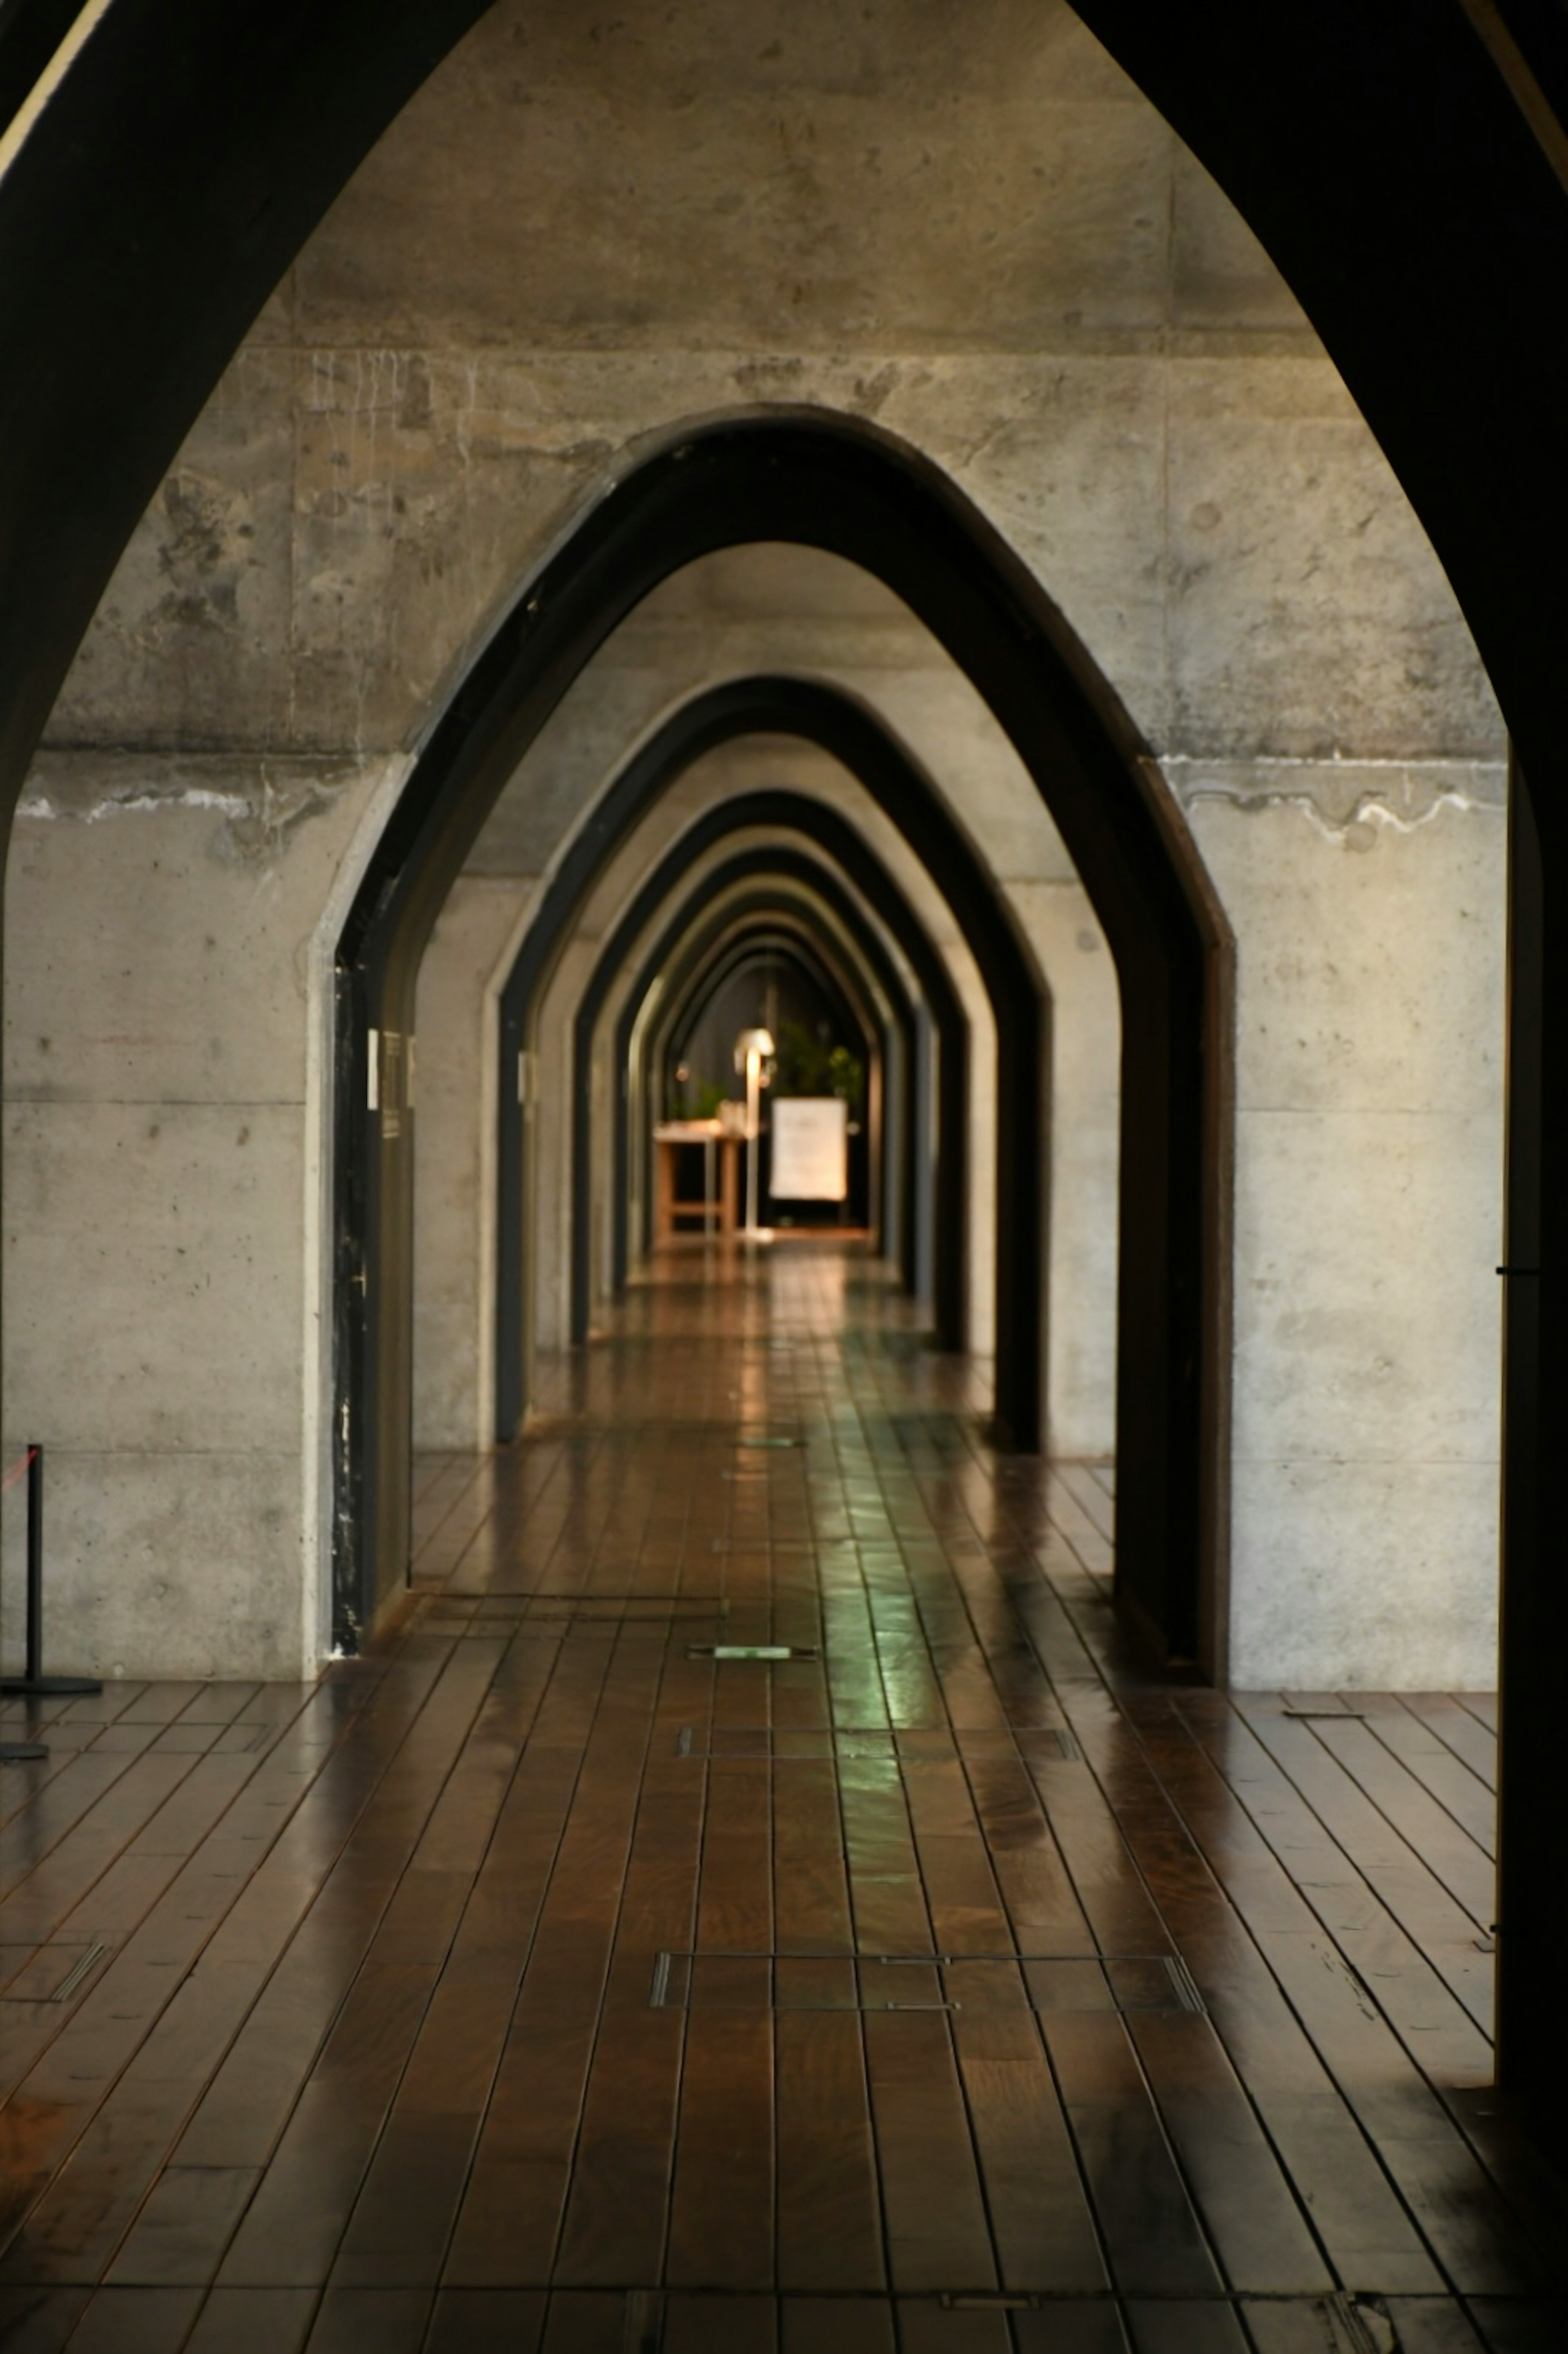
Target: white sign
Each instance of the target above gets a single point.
(810, 1149)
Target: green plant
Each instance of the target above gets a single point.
(806, 1064)
(694, 1098)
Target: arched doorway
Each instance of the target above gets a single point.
(760, 895)
(783, 955)
(908, 1048)
(826, 716)
(852, 490)
(799, 814)
(270, 108)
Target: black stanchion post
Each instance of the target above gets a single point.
(21, 1753)
(33, 1665)
(33, 1685)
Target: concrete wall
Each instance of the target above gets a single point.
(967, 226)
(455, 1160)
(1369, 1222)
(160, 1140)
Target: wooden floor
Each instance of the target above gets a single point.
(541, 1983)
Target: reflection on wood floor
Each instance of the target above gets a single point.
(543, 1982)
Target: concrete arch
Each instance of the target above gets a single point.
(764, 925)
(946, 1115)
(1342, 155)
(799, 813)
(768, 871)
(151, 211)
(761, 704)
(863, 1008)
(826, 482)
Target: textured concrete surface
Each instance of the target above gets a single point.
(158, 917)
(969, 229)
(1369, 1228)
(454, 1168)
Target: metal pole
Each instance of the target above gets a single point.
(24, 1752)
(33, 1685)
(754, 1135)
(34, 1668)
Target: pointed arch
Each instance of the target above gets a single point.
(835, 483)
(767, 867)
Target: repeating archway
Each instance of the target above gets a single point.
(785, 864)
(189, 151)
(799, 813)
(756, 704)
(908, 1215)
(789, 936)
(837, 485)
(776, 934)
(777, 877)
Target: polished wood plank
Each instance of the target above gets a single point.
(827, 2325)
(1458, 1730)
(253, 2321)
(486, 2321)
(1201, 2326)
(1429, 1760)
(937, 2233)
(136, 2321)
(511, 2215)
(713, 2324)
(722, 2204)
(829, 2218)
(380, 2041)
(370, 2321)
(1068, 2328)
(1042, 2221)
(616, 2218)
(929, 2328)
(40, 2320)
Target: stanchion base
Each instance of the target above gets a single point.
(21, 1753)
(45, 1687)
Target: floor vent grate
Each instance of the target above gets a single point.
(768, 1653)
(55, 1973)
(510, 1604)
(1359, 2325)
(817, 1744)
(643, 2330)
(716, 1979)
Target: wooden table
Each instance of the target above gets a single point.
(719, 1205)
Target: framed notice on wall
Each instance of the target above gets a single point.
(810, 1149)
